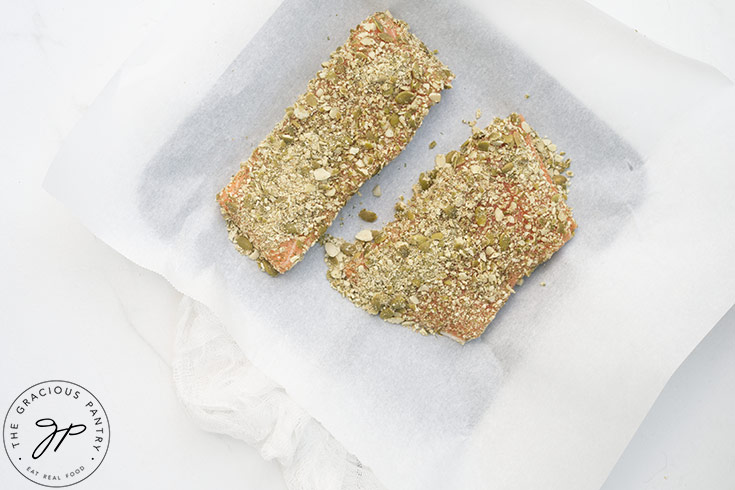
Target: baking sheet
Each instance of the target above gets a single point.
(550, 395)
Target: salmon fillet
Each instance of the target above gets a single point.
(357, 115)
(484, 218)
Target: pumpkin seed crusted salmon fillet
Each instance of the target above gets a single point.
(484, 218)
(358, 113)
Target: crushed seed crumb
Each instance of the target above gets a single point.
(432, 145)
(321, 174)
(364, 235)
(331, 249)
(377, 191)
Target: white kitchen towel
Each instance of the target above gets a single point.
(552, 392)
(225, 393)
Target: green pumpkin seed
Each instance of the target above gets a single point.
(244, 244)
(368, 216)
(311, 99)
(399, 303)
(452, 157)
(559, 179)
(405, 97)
(386, 313)
(424, 181)
(379, 300)
(378, 25)
(378, 236)
(480, 217)
(268, 268)
(348, 248)
(504, 242)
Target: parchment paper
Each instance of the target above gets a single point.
(552, 392)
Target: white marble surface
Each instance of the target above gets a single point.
(70, 304)
(61, 288)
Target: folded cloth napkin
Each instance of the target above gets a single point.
(225, 393)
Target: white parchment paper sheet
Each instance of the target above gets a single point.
(552, 392)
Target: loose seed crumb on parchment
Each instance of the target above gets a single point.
(368, 216)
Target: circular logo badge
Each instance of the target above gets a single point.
(56, 433)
